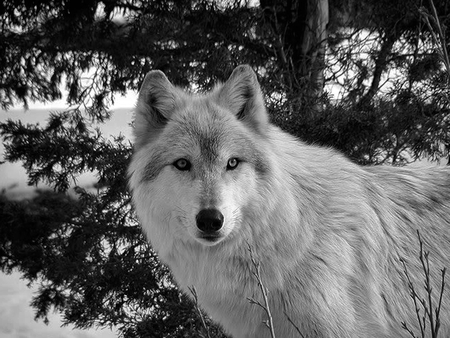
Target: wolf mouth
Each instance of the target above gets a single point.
(210, 238)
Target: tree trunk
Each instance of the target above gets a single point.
(301, 30)
(381, 63)
(314, 43)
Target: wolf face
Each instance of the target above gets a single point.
(196, 174)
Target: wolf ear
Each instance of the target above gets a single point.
(157, 100)
(242, 95)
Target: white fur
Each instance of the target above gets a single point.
(328, 234)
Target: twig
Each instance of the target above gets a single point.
(427, 306)
(293, 324)
(438, 309)
(257, 274)
(414, 297)
(426, 268)
(439, 38)
(194, 294)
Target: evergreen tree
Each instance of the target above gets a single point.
(87, 253)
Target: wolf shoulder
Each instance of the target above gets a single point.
(420, 189)
(424, 182)
(418, 177)
(299, 158)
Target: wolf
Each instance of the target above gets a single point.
(222, 194)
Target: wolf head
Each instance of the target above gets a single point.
(197, 158)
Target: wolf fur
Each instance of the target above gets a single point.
(329, 234)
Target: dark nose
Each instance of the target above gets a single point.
(209, 220)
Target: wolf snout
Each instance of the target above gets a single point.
(209, 220)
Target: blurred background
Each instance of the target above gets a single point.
(370, 78)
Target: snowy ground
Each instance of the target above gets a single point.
(17, 317)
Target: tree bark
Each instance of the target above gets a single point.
(314, 42)
(301, 30)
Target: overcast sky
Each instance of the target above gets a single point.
(16, 316)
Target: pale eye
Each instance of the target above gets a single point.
(232, 163)
(182, 164)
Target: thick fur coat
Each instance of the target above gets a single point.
(211, 177)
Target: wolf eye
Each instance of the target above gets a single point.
(182, 164)
(232, 163)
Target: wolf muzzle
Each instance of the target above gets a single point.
(209, 221)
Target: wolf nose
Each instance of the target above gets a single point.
(209, 220)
